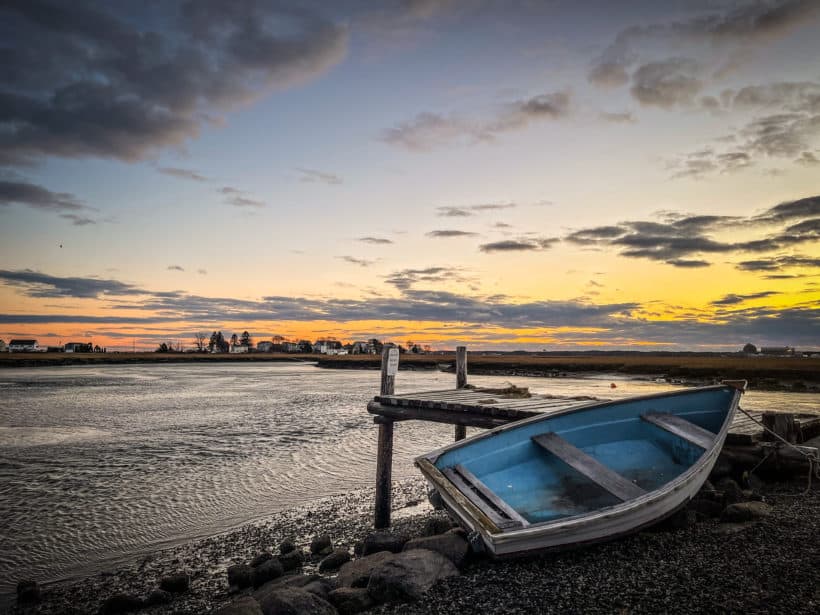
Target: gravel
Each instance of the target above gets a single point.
(768, 566)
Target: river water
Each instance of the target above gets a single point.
(100, 464)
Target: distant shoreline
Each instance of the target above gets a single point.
(763, 373)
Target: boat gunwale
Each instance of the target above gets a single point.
(545, 528)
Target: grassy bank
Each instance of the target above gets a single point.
(760, 371)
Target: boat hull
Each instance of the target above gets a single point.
(605, 523)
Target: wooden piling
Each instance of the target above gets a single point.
(783, 425)
(461, 382)
(384, 456)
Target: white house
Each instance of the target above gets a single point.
(24, 346)
(239, 348)
(3, 346)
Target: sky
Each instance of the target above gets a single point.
(539, 175)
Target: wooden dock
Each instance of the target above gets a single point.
(466, 406)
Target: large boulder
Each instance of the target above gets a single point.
(240, 576)
(451, 546)
(384, 541)
(335, 560)
(292, 560)
(244, 606)
(287, 545)
(121, 603)
(293, 601)
(298, 581)
(350, 600)
(266, 571)
(260, 559)
(745, 511)
(357, 573)
(436, 525)
(175, 583)
(321, 545)
(408, 575)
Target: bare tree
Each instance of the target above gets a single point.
(200, 337)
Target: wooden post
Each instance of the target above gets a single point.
(461, 382)
(384, 456)
(782, 424)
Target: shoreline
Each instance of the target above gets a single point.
(794, 374)
(701, 567)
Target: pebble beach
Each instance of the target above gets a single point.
(769, 565)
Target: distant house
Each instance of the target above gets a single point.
(238, 349)
(77, 347)
(264, 347)
(3, 346)
(777, 351)
(362, 348)
(305, 346)
(24, 346)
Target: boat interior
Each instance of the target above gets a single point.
(556, 467)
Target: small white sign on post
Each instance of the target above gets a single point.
(392, 361)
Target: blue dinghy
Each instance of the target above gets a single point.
(586, 473)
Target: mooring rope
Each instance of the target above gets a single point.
(812, 458)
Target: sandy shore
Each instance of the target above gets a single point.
(771, 566)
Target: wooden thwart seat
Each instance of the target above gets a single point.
(485, 499)
(619, 486)
(682, 428)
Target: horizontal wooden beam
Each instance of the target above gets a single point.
(451, 417)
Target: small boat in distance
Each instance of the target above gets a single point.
(584, 474)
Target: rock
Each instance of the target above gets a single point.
(266, 571)
(451, 546)
(120, 603)
(358, 549)
(240, 576)
(706, 508)
(357, 573)
(721, 469)
(322, 586)
(335, 560)
(28, 592)
(158, 597)
(732, 493)
(727, 529)
(384, 541)
(434, 497)
(292, 560)
(408, 576)
(176, 583)
(286, 546)
(292, 601)
(459, 531)
(436, 525)
(260, 559)
(320, 544)
(244, 606)
(296, 581)
(349, 600)
(751, 496)
(745, 511)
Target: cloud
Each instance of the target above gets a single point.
(239, 198)
(565, 322)
(808, 159)
(77, 220)
(519, 245)
(737, 30)
(429, 130)
(175, 268)
(36, 284)
(502, 225)
(313, 176)
(625, 117)
(407, 278)
(117, 81)
(445, 233)
(202, 271)
(704, 162)
(375, 240)
(666, 84)
(182, 174)
(37, 197)
(471, 210)
(361, 262)
(676, 238)
(779, 263)
(733, 299)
